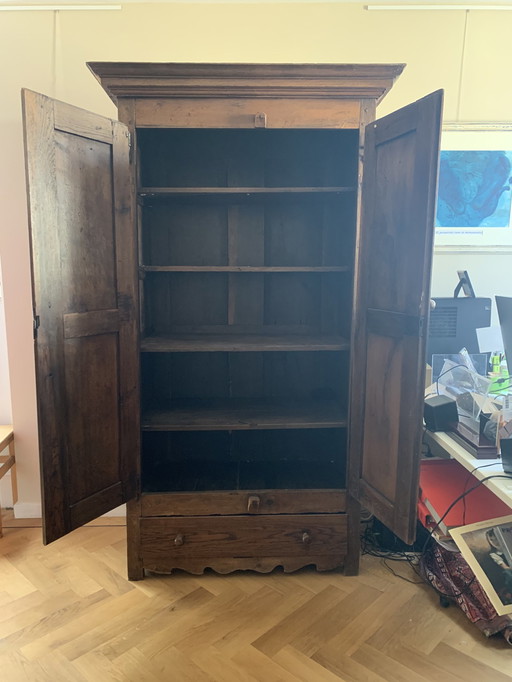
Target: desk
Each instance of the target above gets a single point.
(442, 444)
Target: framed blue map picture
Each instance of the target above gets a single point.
(474, 199)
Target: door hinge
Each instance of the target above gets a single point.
(130, 147)
(36, 324)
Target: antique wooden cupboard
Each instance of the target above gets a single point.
(229, 325)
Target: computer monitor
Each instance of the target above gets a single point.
(504, 305)
(453, 324)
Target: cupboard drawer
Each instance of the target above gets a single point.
(244, 502)
(165, 539)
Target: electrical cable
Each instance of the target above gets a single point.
(457, 499)
(397, 575)
(468, 477)
(431, 531)
(371, 546)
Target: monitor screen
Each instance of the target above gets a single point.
(504, 305)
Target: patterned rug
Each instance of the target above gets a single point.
(451, 576)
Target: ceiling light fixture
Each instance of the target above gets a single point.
(53, 8)
(439, 7)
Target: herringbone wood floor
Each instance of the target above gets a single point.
(68, 614)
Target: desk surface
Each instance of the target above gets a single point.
(501, 487)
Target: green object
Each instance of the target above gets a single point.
(499, 374)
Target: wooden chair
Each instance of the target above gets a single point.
(8, 461)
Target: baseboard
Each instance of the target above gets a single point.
(27, 510)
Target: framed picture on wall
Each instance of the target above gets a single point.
(474, 203)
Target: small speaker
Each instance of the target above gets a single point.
(440, 413)
(506, 454)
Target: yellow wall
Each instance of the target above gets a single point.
(47, 51)
(431, 43)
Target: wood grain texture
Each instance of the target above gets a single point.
(253, 81)
(259, 542)
(241, 502)
(90, 324)
(368, 114)
(227, 415)
(81, 205)
(388, 361)
(248, 182)
(69, 613)
(214, 112)
(250, 207)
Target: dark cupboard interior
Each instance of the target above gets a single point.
(246, 242)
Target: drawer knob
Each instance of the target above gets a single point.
(253, 504)
(306, 537)
(179, 540)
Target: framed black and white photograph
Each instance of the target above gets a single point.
(487, 547)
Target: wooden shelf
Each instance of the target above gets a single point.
(237, 193)
(208, 343)
(242, 268)
(235, 414)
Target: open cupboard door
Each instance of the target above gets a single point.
(80, 191)
(392, 300)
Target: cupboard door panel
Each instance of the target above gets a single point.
(393, 281)
(80, 193)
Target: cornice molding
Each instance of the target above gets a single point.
(259, 81)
